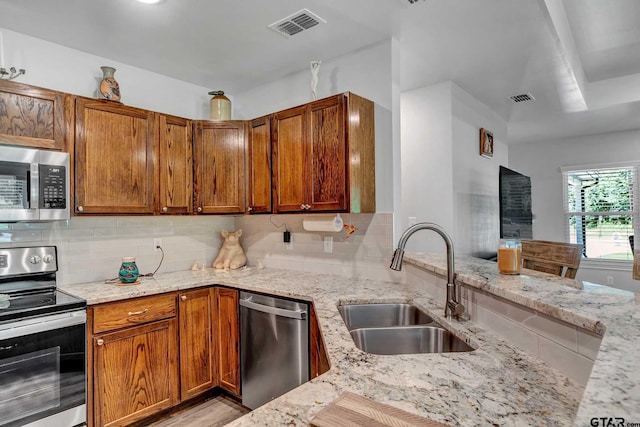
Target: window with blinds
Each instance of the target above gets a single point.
(601, 210)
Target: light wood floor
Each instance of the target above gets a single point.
(216, 412)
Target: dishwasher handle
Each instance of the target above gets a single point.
(292, 314)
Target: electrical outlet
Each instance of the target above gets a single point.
(609, 280)
(328, 244)
(157, 242)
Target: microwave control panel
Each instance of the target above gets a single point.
(53, 187)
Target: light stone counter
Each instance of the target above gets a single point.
(495, 384)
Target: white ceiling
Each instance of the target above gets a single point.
(579, 58)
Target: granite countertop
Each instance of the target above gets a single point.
(495, 384)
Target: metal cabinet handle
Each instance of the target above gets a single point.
(135, 313)
(80, 209)
(302, 206)
(199, 209)
(183, 297)
(249, 209)
(165, 209)
(100, 341)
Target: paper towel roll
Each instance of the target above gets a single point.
(319, 223)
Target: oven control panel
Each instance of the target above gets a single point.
(24, 261)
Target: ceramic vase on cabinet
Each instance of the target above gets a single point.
(220, 106)
(109, 88)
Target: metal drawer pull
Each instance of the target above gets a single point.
(134, 313)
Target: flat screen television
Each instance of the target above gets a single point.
(516, 219)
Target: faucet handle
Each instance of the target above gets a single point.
(456, 309)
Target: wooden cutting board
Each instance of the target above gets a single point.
(353, 410)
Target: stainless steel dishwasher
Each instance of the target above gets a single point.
(274, 347)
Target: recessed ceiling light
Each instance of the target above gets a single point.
(149, 1)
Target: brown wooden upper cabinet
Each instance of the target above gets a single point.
(175, 166)
(259, 166)
(114, 157)
(219, 166)
(323, 156)
(31, 116)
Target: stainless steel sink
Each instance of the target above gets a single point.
(408, 340)
(398, 329)
(382, 315)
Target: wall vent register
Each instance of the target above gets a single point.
(296, 23)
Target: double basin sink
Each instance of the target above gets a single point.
(398, 329)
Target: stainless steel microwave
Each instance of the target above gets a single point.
(34, 184)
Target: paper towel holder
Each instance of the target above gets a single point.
(333, 225)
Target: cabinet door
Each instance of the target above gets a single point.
(197, 372)
(114, 155)
(175, 166)
(31, 116)
(227, 342)
(259, 166)
(135, 372)
(219, 166)
(290, 160)
(318, 359)
(328, 151)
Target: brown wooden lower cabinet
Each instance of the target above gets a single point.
(197, 361)
(135, 372)
(318, 358)
(148, 354)
(228, 339)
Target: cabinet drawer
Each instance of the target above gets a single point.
(133, 312)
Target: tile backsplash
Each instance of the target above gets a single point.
(90, 248)
(365, 253)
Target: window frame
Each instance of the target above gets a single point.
(604, 263)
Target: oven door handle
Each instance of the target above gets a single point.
(42, 324)
(34, 186)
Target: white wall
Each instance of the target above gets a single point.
(443, 178)
(427, 162)
(366, 73)
(475, 178)
(542, 162)
(53, 66)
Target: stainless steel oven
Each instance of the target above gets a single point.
(34, 184)
(42, 343)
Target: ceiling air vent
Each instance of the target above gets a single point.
(522, 97)
(296, 23)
